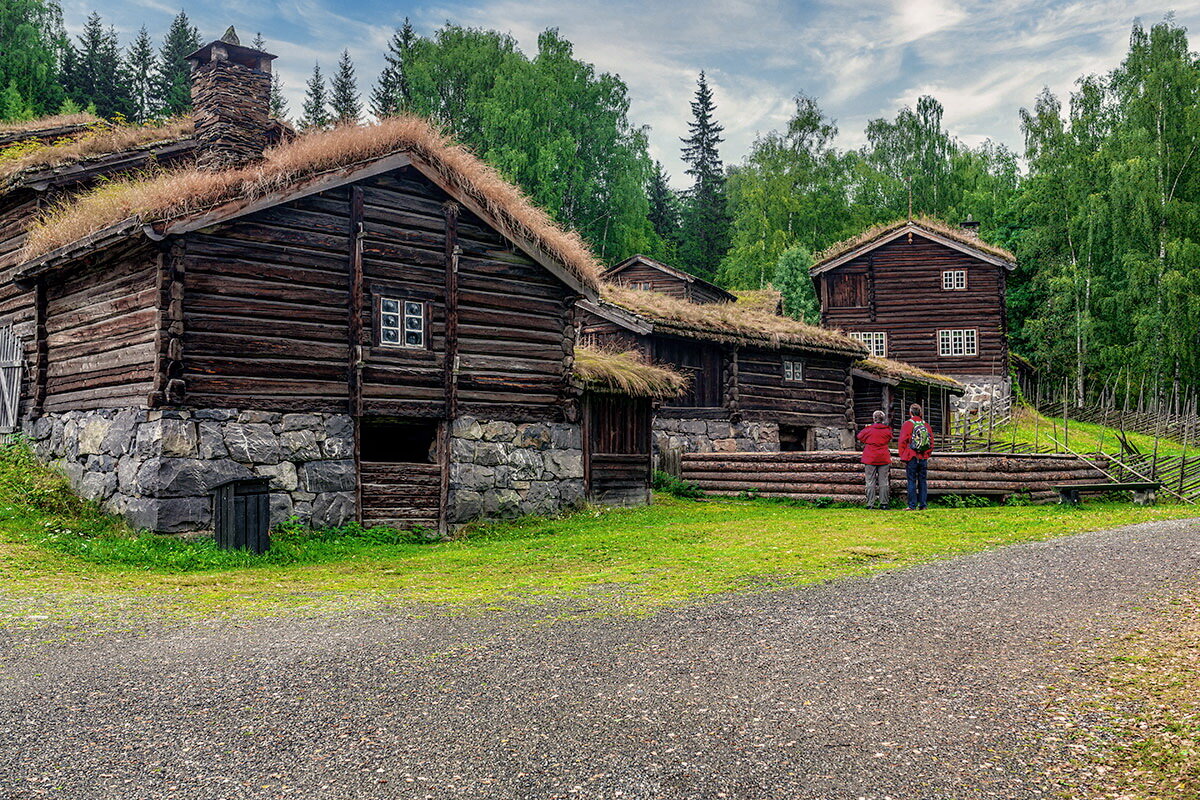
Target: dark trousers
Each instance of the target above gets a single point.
(918, 489)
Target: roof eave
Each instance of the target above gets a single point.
(890, 236)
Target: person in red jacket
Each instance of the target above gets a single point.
(877, 459)
(916, 446)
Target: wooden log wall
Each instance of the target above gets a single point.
(267, 297)
(839, 475)
(100, 333)
(17, 304)
(823, 399)
(904, 297)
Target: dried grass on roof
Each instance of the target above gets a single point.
(181, 193)
(50, 123)
(728, 322)
(928, 223)
(769, 300)
(100, 142)
(900, 370)
(626, 372)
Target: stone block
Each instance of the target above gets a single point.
(259, 417)
(331, 509)
(472, 476)
(92, 434)
(328, 476)
(184, 477)
(498, 431)
(283, 475)
(535, 436)
(211, 440)
(282, 508)
(564, 464)
(97, 486)
(302, 422)
(252, 443)
(301, 445)
(567, 437)
(177, 437)
(466, 428)
(216, 414)
(527, 465)
(122, 434)
(465, 506)
(179, 514)
(503, 503)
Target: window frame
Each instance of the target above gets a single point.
(876, 336)
(950, 276)
(402, 301)
(642, 286)
(945, 336)
(790, 365)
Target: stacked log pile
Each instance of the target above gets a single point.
(839, 475)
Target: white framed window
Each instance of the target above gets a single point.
(958, 342)
(876, 341)
(793, 370)
(401, 322)
(954, 279)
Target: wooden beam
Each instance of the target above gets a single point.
(354, 343)
(451, 252)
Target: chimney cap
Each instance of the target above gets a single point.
(229, 48)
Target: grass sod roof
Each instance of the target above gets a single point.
(930, 224)
(728, 322)
(902, 371)
(178, 194)
(95, 143)
(626, 373)
(51, 123)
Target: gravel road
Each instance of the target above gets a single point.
(927, 682)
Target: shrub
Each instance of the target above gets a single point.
(676, 487)
(964, 501)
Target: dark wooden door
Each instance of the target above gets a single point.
(617, 449)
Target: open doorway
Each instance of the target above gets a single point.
(794, 438)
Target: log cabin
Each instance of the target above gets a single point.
(649, 275)
(368, 317)
(926, 293)
(882, 384)
(757, 381)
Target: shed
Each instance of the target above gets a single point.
(621, 391)
(647, 274)
(882, 384)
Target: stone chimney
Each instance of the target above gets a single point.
(970, 227)
(231, 101)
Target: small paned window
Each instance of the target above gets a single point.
(957, 342)
(401, 322)
(644, 286)
(876, 341)
(954, 279)
(793, 370)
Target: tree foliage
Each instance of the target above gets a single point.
(315, 111)
(345, 104)
(705, 233)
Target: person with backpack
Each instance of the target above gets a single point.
(877, 459)
(916, 445)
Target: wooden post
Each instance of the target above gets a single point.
(451, 253)
(354, 344)
(1066, 425)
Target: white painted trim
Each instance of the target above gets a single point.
(954, 244)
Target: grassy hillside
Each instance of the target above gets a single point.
(1033, 428)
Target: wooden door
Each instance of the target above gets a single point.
(617, 449)
(10, 380)
(400, 473)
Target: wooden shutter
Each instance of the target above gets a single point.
(10, 379)
(849, 291)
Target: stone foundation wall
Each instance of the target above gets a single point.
(506, 469)
(833, 439)
(981, 392)
(158, 468)
(715, 436)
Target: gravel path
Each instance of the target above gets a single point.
(920, 683)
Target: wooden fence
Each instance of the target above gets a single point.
(839, 475)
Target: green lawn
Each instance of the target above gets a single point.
(1030, 428)
(60, 554)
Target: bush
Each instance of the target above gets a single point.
(964, 501)
(676, 487)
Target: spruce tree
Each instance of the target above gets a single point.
(279, 106)
(173, 77)
(140, 66)
(344, 100)
(392, 94)
(705, 216)
(315, 112)
(664, 207)
(92, 74)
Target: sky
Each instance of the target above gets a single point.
(862, 59)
